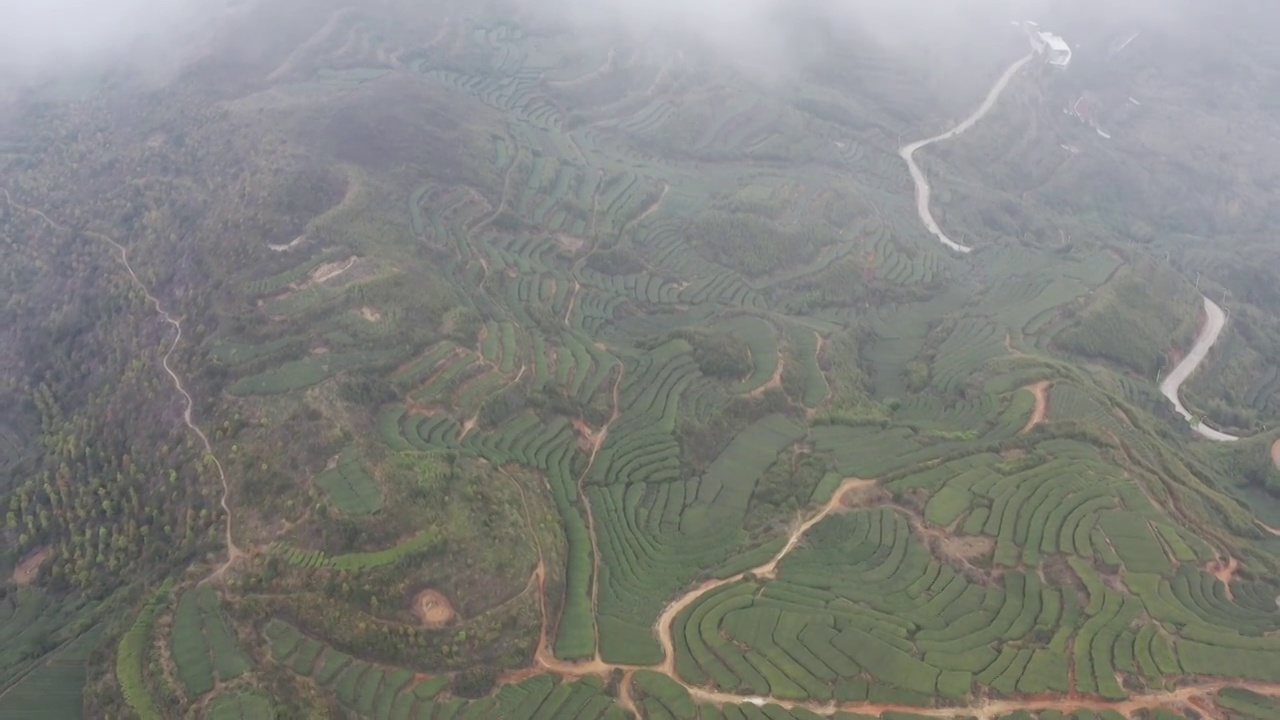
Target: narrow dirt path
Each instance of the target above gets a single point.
(775, 380)
(470, 232)
(1040, 391)
(573, 298)
(991, 709)
(1199, 695)
(543, 656)
(649, 210)
(1008, 345)
(593, 229)
(817, 358)
(506, 189)
(596, 443)
(538, 578)
(767, 570)
(233, 551)
(625, 701)
(907, 153)
(329, 271)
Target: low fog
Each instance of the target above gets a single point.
(762, 32)
(42, 39)
(48, 39)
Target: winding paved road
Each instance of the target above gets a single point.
(1214, 321)
(907, 153)
(1212, 328)
(545, 657)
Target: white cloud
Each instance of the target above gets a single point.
(50, 37)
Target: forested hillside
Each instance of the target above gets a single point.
(454, 360)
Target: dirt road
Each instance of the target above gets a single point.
(1040, 391)
(767, 570)
(233, 552)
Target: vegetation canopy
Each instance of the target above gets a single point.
(454, 360)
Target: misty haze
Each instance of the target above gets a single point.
(753, 360)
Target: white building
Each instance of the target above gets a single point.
(1056, 50)
(1053, 48)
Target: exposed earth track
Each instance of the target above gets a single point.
(27, 570)
(1225, 571)
(233, 551)
(991, 709)
(1215, 318)
(1040, 391)
(984, 709)
(775, 380)
(768, 569)
(596, 442)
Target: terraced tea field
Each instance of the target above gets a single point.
(667, 391)
(997, 561)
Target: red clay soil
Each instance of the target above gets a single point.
(433, 609)
(1224, 571)
(1042, 405)
(26, 572)
(775, 380)
(428, 409)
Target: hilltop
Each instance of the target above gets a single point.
(399, 360)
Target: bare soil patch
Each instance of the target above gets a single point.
(433, 609)
(586, 434)
(330, 270)
(289, 245)
(468, 426)
(857, 493)
(966, 548)
(569, 242)
(775, 380)
(1042, 405)
(428, 409)
(1275, 453)
(321, 274)
(370, 314)
(25, 573)
(1224, 570)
